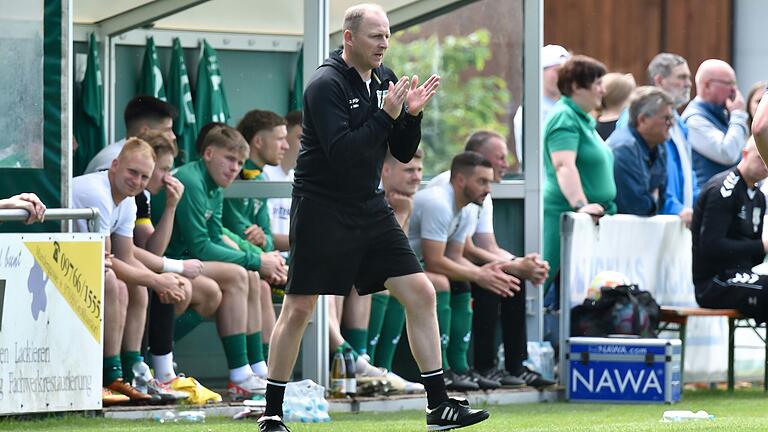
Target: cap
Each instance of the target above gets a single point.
(553, 55)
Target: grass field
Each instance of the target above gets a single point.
(745, 410)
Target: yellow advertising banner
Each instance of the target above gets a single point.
(73, 268)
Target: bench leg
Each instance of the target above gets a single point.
(731, 337)
(682, 333)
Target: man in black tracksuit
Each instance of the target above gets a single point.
(342, 231)
(727, 232)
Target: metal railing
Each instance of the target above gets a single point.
(54, 214)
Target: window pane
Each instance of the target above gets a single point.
(477, 51)
(21, 84)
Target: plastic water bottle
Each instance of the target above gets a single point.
(181, 416)
(500, 357)
(547, 356)
(305, 402)
(351, 380)
(165, 417)
(191, 416)
(686, 415)
(338, 375)
(141, 375)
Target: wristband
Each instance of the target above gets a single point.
(173, 265)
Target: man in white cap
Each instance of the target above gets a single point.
(552, 57)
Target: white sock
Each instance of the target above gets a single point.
(163, 365)
(260, 369)
(240, 374)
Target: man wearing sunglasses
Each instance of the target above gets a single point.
(640, 168)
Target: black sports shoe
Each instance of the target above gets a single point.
(272, 424)
(453, 414)
(458, 382)
(483, 382)
(533, 378)
(506, 379)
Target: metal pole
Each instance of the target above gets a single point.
(314, 346)
(55, 214)
(533, 24)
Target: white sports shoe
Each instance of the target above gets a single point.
(402, 385)
(253, 385)
(363, 368)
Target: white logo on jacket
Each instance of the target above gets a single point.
(728, 184)
(380, 95)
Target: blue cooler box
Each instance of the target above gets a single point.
(622, 370)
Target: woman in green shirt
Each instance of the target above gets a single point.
(578, 164)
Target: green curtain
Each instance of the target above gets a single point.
(89, 113)
(296, 98)
(210, 98)
(46, 182)
(180, 96)
(151, 79)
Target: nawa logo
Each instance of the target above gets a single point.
(615, 381)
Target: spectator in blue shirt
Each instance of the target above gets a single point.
(640, 169)
(670, 72)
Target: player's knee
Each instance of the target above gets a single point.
(254, 279)
(300, 308)
(439, 282)
(115, 289)
(265, 292)
(422, 295)
(111, 286)
(237, 283)
(138, 297)
(427, 298)
(207, 297)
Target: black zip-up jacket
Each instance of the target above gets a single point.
(346, 135)
(727, 228)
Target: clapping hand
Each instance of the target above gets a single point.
(418, 97)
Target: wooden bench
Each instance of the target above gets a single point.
(676, 319)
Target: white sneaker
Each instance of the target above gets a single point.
(365, 369)
(402, 385)
(253, 385)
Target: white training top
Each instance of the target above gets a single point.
(94, 190)
(103, 159)
(279, 208)
(482, 216)
(435, 217)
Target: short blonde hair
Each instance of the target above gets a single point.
(618, 87)
(159, 143)
(136, 146)
(354, 16)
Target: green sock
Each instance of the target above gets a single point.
(186, 322)
(265, 351)
(112, 369)
(253, 342)
(390, 334)
(235, 350)
(344, 347)
(378, 311)
(356, 337)
(461, 331)
(127, 359)
(444, 323)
